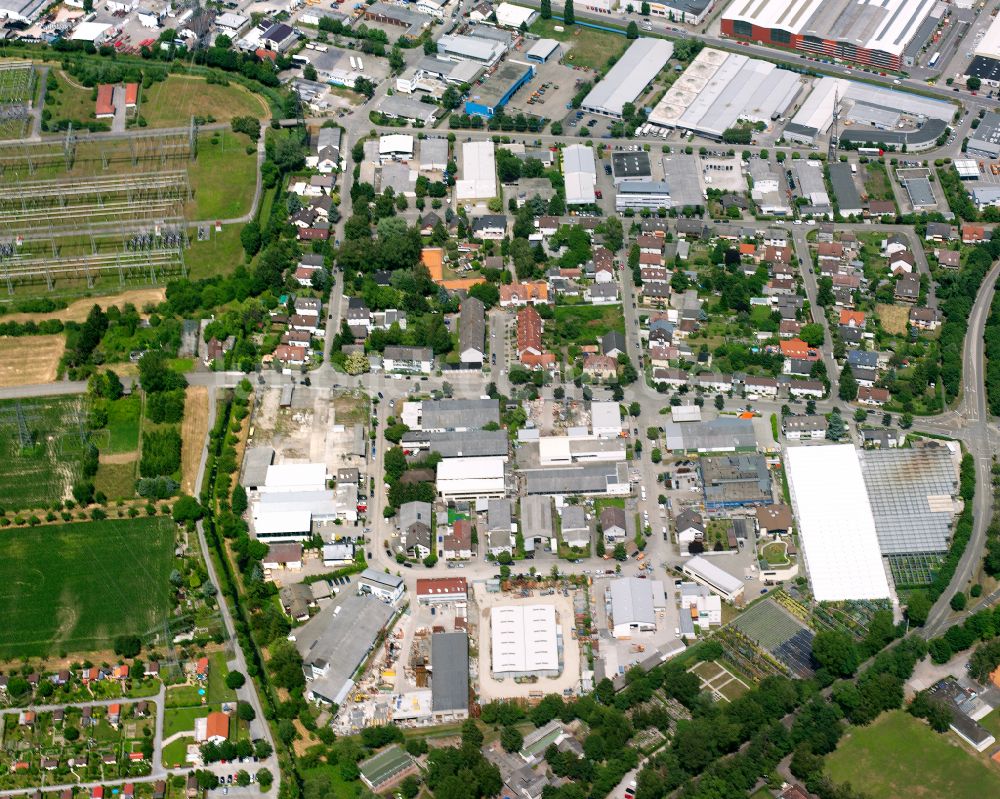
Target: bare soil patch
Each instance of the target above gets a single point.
(30, 359)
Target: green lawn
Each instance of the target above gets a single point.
(587, 47)
(42, 472)
(76, 587)
(585, 324)
(123, 424)
(900, 756)
(217, 671)
(69, 102)
(218, 255)
(183, 696)
(181, 719)
(222, 153)
(175, 752)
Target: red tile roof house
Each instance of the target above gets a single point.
(973, 233)
(129, 788)
(114, 715)
(121, 672)
(601, 366)
(92, 674)
(873, 396)
(105, 101)
(797, 349)
(136, 757)
(529, 339)
(97, 792)
(201, 669)
(131, 95)
(26, 718)
(20, 765)
(852, 318)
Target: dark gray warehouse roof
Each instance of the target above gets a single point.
(449, 672)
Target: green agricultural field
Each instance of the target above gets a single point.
(76, 587)
(44, 470)
(899, 755)
(222, 153)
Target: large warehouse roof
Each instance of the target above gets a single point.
(719, 88)
(989, 47)
(911, 492)
(629, 76)
(524, 638)
(632, 601)
(836, 524)
(580, 172)
(479, 171)
(886, 25)
(449, 671)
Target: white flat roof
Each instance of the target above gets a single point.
(298, 522)
(470, 468)
(513, 16)
(395, 143)
(89, 31)
(605, 416)
(630, 75)
(479, 171)
(295, 476)
(990, 44)
(685, 413)
(524, 638)
(711, 573)
(835, 523)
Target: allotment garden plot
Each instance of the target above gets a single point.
(42, 443)
(77, 587)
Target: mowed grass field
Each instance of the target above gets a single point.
(222, 153)
(900, 756)
(76, 587)
(26, 360)
(43, 472)
(172, 102)
(585, 324)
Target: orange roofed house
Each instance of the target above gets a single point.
(529, 339)
(214, 728)
(518, 294)
(797, 349)
(105, 101)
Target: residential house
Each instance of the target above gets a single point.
(925, 318)
(939, 232)
(457, 544)
(613, 344)
(499, 518)
(907, 288)
(902, 263)
(873, 396)
(408, 359)
(529, 340)
(806, 388)
(520, 294)
(948, 258)
(472, 333)
(490, 226)
(689, 527)
(798, 428)
(600, 367)
(759, 386)
(852, 318)
(575, 529)
(358, 314)
(602, 294)
(893, 244)
(414, 527)
(612, 520)
(973, 234)
(789, 328)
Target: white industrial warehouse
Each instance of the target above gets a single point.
(580, 174)
(479, 172)
(471, 478)
(836, 525)
(525, 641)
(629, 77)
(633, 605)
(720, 88)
